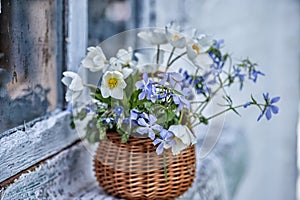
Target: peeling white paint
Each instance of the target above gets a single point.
(69, 175)
(22, 149)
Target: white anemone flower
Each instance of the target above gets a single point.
(74, 84)
(197, 55)
(115, 65)
(155, 37)
(112, 85)
(95, 59)
(175, 38)
(125, 57)
(183, 138)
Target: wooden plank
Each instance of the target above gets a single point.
(65, 176)
(69, 175)
(22, 148)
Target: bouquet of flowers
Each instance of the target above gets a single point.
(155, 98)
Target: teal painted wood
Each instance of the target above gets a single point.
(21, 149)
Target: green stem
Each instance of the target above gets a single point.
(171, 55)
(181, 117)
(222, 112)
(179, 56)
(157, 55)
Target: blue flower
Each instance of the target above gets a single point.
(269, 107)
(218, 62)
(247, 104)
(107, 120)
(181, 100)
(135, 115)
(118, 110)
(200, 83)
(165, 141)
(173, 79)
(147, 87)
(218, 43)
(239, 75)
(148, 126)
(254, 74)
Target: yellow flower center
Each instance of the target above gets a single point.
(176, 37)
(112, 82)
(196, 48)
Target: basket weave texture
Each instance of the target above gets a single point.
(133, 170)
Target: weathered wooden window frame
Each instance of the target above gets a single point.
(25, 147)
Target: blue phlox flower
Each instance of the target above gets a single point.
(148, 126)
(237, 73)
(181, 100)
(218, 62)
(247, 104)
(172, 79)
(118, 110)
(148, 89)
(254, 74)
(108, 120)
(135, 115)
(269, 107)
(165, 141)
(202, 83)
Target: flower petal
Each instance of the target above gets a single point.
(156, 141)
(268, 113)
(178, 147)
(117, 93)
(142, 122)
(105, 91)
(142, 130)
(274, 109)
(160, 148)
(275, 99)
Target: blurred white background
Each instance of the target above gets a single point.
(269, 33)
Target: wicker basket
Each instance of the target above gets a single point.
(134, 171)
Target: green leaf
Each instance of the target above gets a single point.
(253, 100)
(160, 113)
(97, 95)
(203, 120)
(148, 105)
(170, 115)
(125, 137)
(234, 110)
(102, 133)
(133, 101)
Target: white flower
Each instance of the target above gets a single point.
(74, 83)
(147, 60)
(95, 59)
(125, 57)
(115, 65)
(153, 37)
(196, 54)
(183, 138)
(112, 85)
(175, 39)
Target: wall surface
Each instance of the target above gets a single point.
(268, 32)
